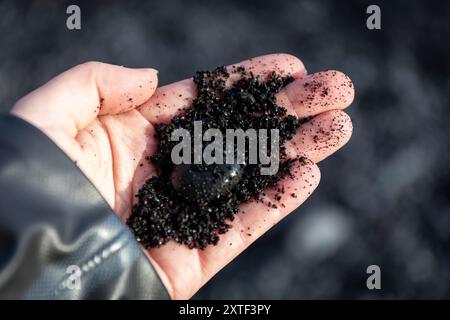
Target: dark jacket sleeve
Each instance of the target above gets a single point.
(59, 239)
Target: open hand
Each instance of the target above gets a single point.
(103, 117)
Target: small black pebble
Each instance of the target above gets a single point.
(246, 98)
(205, 183)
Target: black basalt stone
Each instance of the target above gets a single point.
(205, 183)
(246, 98)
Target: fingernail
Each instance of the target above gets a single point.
(149, 69)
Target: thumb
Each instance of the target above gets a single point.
(70, 101)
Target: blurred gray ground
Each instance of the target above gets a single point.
(383, 199)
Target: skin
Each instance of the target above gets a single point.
(103, 116)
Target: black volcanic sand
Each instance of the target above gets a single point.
(193, 204)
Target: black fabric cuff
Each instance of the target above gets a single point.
(59, 239)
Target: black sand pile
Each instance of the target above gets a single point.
(193, 203)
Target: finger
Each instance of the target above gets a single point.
(317, 93)
(257, 217)
(321, 136)
(174, 98)
(76, 97)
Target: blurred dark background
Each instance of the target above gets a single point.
(383, 199)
